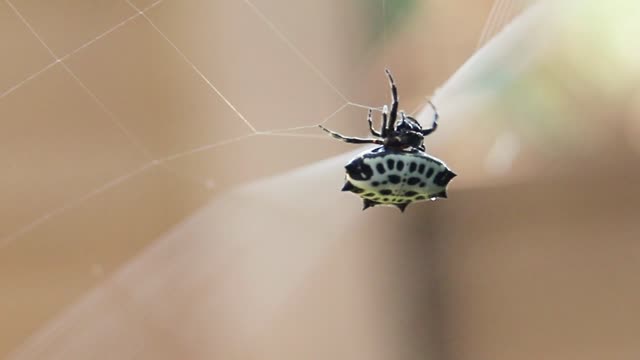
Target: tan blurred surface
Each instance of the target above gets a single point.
(80, 195)
(105, 253)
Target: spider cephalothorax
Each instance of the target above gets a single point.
(407, 133)
(399, 172)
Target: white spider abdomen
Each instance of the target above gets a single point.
(389, 177)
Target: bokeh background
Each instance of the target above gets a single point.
(166, 193)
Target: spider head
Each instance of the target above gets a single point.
(407, 133)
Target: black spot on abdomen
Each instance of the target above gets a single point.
(358, 170)
(412, 167)
(391, 164)
(429, 173)
(380, 168)
(385, 192)
(394, 179)
(400, 165)
(421, 168)
(413, 180)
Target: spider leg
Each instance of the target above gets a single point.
(436, 116)
(394, 105)
(370, 121)
(384, 131)
(402, 117)
(352, 140)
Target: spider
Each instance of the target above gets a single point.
(394, 133)
(399, 171)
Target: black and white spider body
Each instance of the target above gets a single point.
(399, 171)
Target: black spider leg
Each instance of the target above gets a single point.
(384, 132)
(370, 121)
(394, 105)
(436, 116)
(352, 140)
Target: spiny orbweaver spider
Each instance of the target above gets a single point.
(399, 172)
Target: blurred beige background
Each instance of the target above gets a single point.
(125, 131)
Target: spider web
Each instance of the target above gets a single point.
(501, 12)
(341, 102)
(153, 162)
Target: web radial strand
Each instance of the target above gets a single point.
(114, 119)
(276, 132)
(195, 68)
(293, 48)
(132, 139)
(80, 48)
(497, 20)
(206, 147)
(308, 136)
(4, 242)
(162, 161)
(494, 22)
(502, 12)
(488, 23)
(71, 204)
(504, 17)
(26, 23)
(375, 108)
(27, 79)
